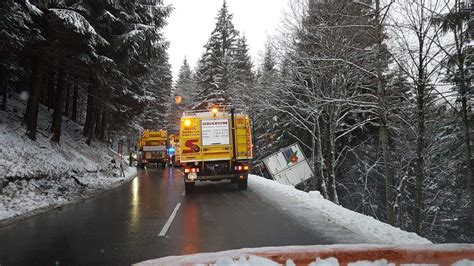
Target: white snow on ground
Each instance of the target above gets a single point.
(259, 256)
(307, 206)
(244, 261)
(40, 175)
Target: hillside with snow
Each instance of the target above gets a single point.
(38, 175)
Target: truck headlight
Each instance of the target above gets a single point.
(192, 176)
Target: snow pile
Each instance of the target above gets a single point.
(38, 175)
(331, 255)
(243, 261)
(306, 206)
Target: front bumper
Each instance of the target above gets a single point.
(159, 160)
(233, 176)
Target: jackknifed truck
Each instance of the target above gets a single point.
(215, 145)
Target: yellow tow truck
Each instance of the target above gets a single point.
(152, 148)
(215, 145)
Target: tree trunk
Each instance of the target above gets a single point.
(58, 106)
(44, 98)
(31, 114)
(51, 88)
(91, 127)
(74, 103)
(314, 161)
(103, 126)
(383, 131)
(329, 158)
(331, 165)
(419, 161)
(90, 116)
(3, 89)
(420, 142)
(89, 111)
(68, 99)
(98, 120)
(322, 187)
(468, 156)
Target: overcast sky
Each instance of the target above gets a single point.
(191, 23)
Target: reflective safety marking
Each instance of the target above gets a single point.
(170, 220)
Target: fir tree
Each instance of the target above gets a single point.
(216, 66)
(458, 23)
(243, 79)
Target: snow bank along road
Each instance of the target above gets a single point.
(151, 217)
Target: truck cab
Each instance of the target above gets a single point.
(215, 145)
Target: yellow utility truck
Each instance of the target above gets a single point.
(215, 145)
(152, 148)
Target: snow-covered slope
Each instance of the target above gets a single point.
(39, 174)
(306, 206)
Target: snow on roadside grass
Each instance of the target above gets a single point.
(299, 202)
(40, 175)
(23, 197)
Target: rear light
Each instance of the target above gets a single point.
(191, 170)
(242, 168)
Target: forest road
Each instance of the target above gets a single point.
(152, 217)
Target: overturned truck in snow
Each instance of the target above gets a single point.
(215, 145)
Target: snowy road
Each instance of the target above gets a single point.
(151, 217)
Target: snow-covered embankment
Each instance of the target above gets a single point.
(36, 176)
(306, 206)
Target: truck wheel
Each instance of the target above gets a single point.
(243, 184)
(189, 187)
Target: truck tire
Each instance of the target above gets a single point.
(243, 184)
(189, 187)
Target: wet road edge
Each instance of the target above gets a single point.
(81, 198)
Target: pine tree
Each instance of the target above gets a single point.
(265, 137)
(458, 64)
(243, 78)
(112, 53)
(216, 66)
(134, 73)
(185, 88)
(183, 96)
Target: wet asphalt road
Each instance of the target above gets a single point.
(122, 226)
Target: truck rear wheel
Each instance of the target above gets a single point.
(242, 184)
(189, 187)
